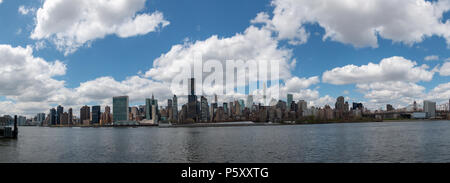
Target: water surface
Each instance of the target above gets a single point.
(357, 142)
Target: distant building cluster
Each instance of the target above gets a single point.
(199, 110)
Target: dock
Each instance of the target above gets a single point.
(9, 132)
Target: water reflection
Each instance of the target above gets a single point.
(364, 142)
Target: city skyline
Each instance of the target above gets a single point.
(376, 64)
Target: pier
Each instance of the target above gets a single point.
(8, 131)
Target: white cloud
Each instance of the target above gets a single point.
(254, 44)
(393, 92)
(71, 24)
(25, 11)
(1, 1)
(389, 69)
(445, 69)
(431, 58)
(440, 93)
(26, 77)
(358, 22)
(295, 84)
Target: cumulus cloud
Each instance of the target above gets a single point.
(431, 58)
(445, 69)
(26, 77)
(254, 44)
(397, 92)
(70, 24)
(359, 22)
(440, 93)
(389, 69)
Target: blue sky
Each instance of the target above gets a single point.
(122, 57)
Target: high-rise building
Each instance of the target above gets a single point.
(357, 106)
(249, 101)
(204, 110)
(59, 112)
(96, 114)
(175, 108)
(193, 107)
(120, 108)
(149, 104)
(70, 116)
(290, 98)
(40, 117)
(85, 115)
(52, 116)
(429, 108)
(389, 107)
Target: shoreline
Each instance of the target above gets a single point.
(241, 123)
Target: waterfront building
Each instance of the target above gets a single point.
(106, 117)
(204, 110)
(65, 118)
(52, 116)
(70, 116)
(59, 112)
(357, 106)
(40, 118)
(429, 108)
(175, 109)
(120, 108)
(290, 98)
(85, 115)
(96, 113)
(193, 106)
(389, 107)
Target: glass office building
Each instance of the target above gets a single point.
(120, 108)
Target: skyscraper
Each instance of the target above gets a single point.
(52, 116)
(149, 105)
(85, 114)
(175, 108)
(59, 112)
(249, 101)
(429, 108)
(96, 114)
(70, 116)
(204, 113)
(290, 98)
(120, 108)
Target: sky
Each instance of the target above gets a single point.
(82, 52)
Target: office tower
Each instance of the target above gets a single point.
(389, 107)
(429, 108)
(175, 108)
(134, 113)
(70, 116)
(225, 108)
(357, 106)
(59, 112)
(120, 108)
(106, 117)
(249, 101)
(53, 116)
(96, 114)
(415, 106)
(149, 104)
(302, 105)
(65, 118)
(290, 98)
(85, 115)
(40, 117)
(191, 86)
(204, 113)
(193, 107)
(242, 105)
(340, 103)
